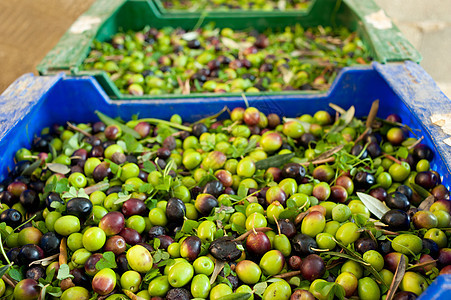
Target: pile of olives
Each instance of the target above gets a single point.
(212, 60)
(249, 207)
(236, 4)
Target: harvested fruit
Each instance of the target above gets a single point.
(213, 60)
(208, 210)
(191, 5)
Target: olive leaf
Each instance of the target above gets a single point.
(101, 186)
(64, 272)
(191, 35)
(328, 153)
(420, 190)
(355, 257)
(58, 168)
(110, 121)
(427, 203)
(31, 168)
(149, 166)
(287, 75)
(347, 118)
(108, 260)
(219, 265)
(236, 296)
(375, 206)
(4, 269)
(231, 44)
(399, 274)
(372, 114)
(274, 161)
(282, 5)
(15, 274)
(260, 288)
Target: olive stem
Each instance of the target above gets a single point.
(246, 234)
(131, 295)
(9, 280)
(31, 156)
(277, 224)
(105, 296)
(96, 187)
(360, 137)
(319, 250)
(318, 162)
(245, 100)
(390, 157)
(416, 143)
(423, 264)
(223, 110)
(288, 274)
(253, 224)
(114, 57)
(72, 126)
(28, 221)
(158, 121)
(387, 232)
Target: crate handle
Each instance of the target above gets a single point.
(382, 32)
(423, 98)
(76, 42)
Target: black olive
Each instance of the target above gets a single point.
(397, 200)
(194, 44)
(19, 168)
(114, 189)
(422, 151)
(358, 150)
(363, 180)
(11, 217)
(405, 190)
(374, 150)
(294, 170)
(365, 244)
(30, 200)
(303, 244)
(385, 247)
(156, 231)
(214, 188)
(198, 129)
(6, 198)
(35, 273)
(175, 210)
(432, 247)
(225, 248)
(397, 220)
(79, 207)
(307, 139)
(50, 243)
(29, 253)
(178, 294)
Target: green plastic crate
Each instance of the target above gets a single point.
(107, 17)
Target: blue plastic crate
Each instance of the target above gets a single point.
(32, 103)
